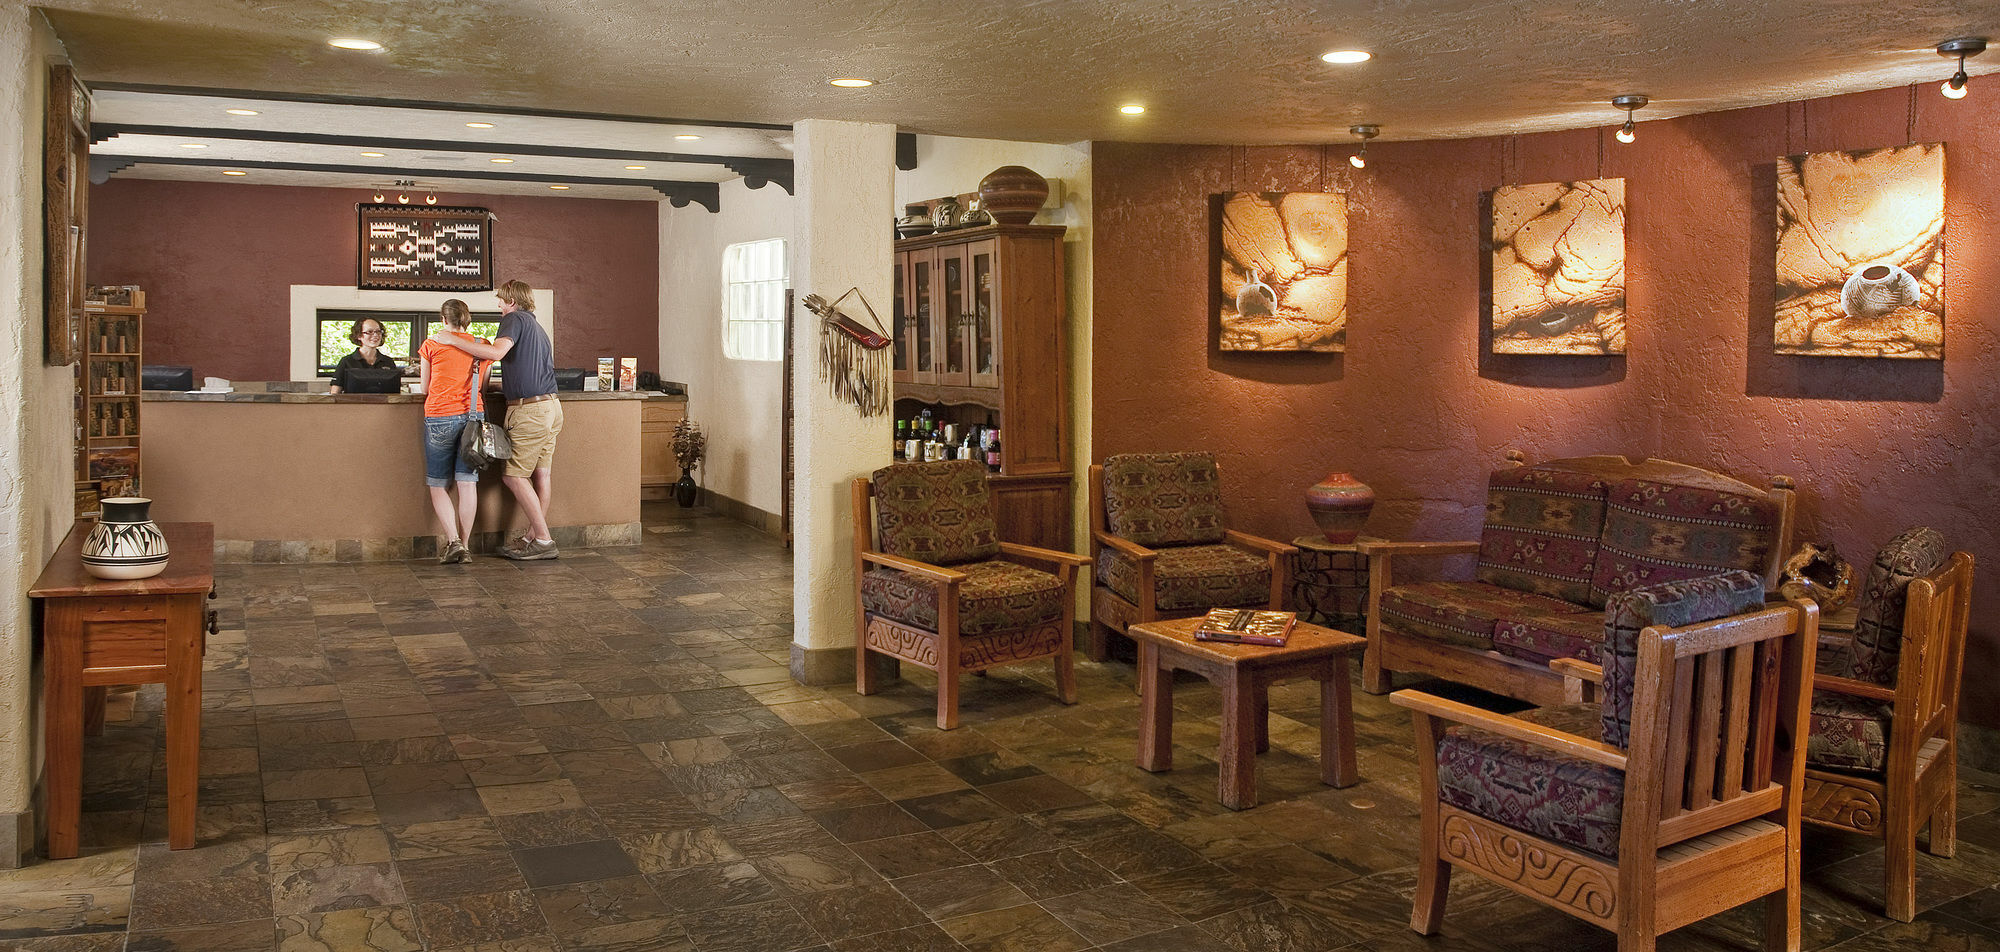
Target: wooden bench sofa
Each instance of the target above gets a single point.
(1560, 538)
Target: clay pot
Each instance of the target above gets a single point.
(1013, 194)
(1876, 290)
(1339, 505)
(126, 543)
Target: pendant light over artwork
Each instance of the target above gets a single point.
(1954, 88)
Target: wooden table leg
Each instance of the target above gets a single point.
(1236, 783)
(1336, 727)
(1260, 690)
(63, 734)
(183, 703)
(93, 710)
(1156, 710)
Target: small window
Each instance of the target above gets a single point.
(406, 332)
(754, 275)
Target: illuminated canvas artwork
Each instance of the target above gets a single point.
(426, 248)
(1861, 253)
(1559, 268)
(1283, 271)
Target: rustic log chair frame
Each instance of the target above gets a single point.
(1531, 681)
(943, 650)
(1711, 796)
(1111, 614)
(1918, 785)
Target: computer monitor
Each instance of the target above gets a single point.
(163, 377)
(569, 378)
(374, 380)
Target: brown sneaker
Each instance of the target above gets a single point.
(532, 551)
(454, 553)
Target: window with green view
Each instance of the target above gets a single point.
(405, 332)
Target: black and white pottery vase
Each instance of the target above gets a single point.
(126, 543)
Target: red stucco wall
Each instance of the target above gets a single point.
(218, 262)
(1415, 408)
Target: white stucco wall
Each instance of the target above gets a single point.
(739, 403)
(35, 426)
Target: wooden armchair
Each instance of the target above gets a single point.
(1161, 549)
(1883, 757)
(1676, 799)
(934, 586)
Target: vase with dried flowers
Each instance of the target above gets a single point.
(690, 445)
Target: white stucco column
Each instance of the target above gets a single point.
(844, 173)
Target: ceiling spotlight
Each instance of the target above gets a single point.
(1629, 104)
(635, 168)
(233, 172)
(688, 137)
(1954, 88)
(403, 199)
(194, 145)
(479, 125)
(430, 198)
(241, 112)
(850, 83)
(1360, 159)
(378, 198)
(1348, 57)
(354, 43)
(501, 161)
(560, 188)
(371, 155)
(1132, 109)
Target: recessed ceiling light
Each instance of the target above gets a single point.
(479, 125)
(241, 112)
(233, 172)
(194, 145)
(371, 155)
(560, 188)
(498, 161)
(686, 137)
(851, 83)
(635, 168)
(1347, 57)
(353, 43)
(1131, 109)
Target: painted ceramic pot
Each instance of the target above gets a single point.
(125, 543)
(1876, 290)
(1340, 505)
(1013, 194)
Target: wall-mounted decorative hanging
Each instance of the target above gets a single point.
(425, 248)
(853, 356)
(65, 204)
(1559, 268)
(1284, 271)
(1861, 253)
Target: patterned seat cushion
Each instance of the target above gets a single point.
(1163, 499)
(1674, 604)
(939, 512)
(1660, 532)
(1848, 732)
(1541, 531)
(1544, 638)
(1878, 622)
(1571, 801)
(1191, 577)
(1463, 613)
(996, 596)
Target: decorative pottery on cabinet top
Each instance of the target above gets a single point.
(1861, 253)
(1283, 271)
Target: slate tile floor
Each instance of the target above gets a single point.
(606, 753)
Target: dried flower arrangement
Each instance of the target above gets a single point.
(690, 444)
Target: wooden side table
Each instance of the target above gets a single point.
(98, 632)
(1244, 674)
(1330, 582)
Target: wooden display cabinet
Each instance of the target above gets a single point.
(108, 384)
(981, 330)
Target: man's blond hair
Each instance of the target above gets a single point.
(518, 294)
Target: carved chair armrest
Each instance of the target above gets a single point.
(1016, 551)
(924, 570)
(1548, 738)
(1849, 686)
(1127, 548)
(1261, 544)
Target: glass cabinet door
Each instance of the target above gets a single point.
(900, 324)
(983, 337)
(953, 356)
(923, 369)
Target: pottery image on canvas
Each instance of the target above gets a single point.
(1559, 268)
(1283, 271)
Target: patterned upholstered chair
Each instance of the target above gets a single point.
(1162, 550)
(936, 588)
(1883, 758)
(1675, 799)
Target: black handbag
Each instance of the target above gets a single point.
(482, 442)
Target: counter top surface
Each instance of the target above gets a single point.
(196, 396)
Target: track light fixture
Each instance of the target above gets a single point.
(430, 198)
(378, 196)
(1360, 159)
(1629, 104)
(1954, 88)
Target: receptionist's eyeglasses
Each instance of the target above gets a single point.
(377, 332)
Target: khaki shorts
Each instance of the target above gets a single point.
(533, 428)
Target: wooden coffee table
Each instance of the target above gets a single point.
(1244, 674)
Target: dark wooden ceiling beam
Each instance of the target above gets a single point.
(105, 131)
(706, 194)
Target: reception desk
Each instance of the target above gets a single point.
(312, 477)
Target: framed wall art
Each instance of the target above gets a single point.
(425, 248)
(65, 211)
(1559, 268)
(1283, 271)
(1861, 253)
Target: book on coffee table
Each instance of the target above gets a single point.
(1246, 626)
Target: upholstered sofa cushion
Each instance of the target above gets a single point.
(1163, 499)
(1878, 621)
(1191, 577)
(995, 596)
(1661, 532)
(1544, 638)
(1674, 604)
(1848, 732)
(1541, 531)
(938, 512)
(1565, 799)
(1463, 613)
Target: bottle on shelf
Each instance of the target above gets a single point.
(993, 451)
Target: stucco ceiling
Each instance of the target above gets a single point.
(1044, 70)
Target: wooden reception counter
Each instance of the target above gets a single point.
(312, 477)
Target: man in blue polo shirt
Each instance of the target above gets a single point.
(534, 415)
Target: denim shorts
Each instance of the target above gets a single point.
(441, 460)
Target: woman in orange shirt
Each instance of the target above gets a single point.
(452, 382)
